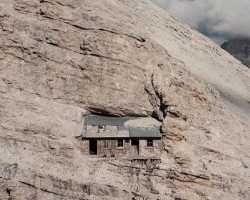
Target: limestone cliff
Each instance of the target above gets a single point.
(239, 48)
(61, 60)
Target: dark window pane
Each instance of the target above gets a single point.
(150, 143)
(119, 143)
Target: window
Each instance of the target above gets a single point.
(150, 143)
(119, 143)
(106, 144)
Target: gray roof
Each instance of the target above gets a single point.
(96, 120)
(151, 132)
(123, 131)
(105, 135)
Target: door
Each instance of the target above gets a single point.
(92, 147)
(134, 147)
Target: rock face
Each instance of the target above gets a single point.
(61, 60)
(240, 49)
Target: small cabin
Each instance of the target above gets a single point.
(104, 136)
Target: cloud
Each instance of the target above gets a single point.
(218, 19)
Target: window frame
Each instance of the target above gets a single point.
(119, 145)
(106, 144)
(150, 143)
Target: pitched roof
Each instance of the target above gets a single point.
(123, 131)
(152, 132)
(106, 135)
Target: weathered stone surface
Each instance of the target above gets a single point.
(63, 59)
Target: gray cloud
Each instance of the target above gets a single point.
(218, 19)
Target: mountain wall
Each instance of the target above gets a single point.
(61, 60)
(239, 48)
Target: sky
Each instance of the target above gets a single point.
(218, 19)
